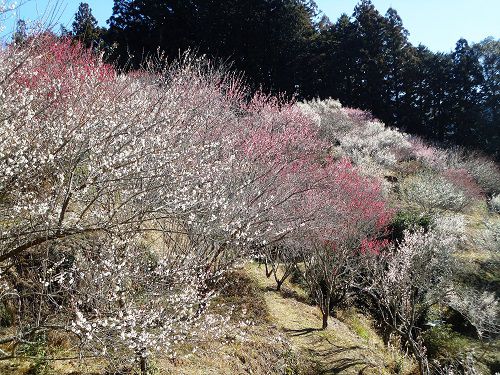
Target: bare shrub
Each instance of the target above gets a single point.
(407, 280)
(432, 192)
(480, 308)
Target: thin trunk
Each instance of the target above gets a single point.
(423, 364)
(416, 349)
(268, 271)
(325, 310)
(325, 319)
(278, 284)
(143, 364)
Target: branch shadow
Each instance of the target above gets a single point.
(336, 350)
(286, 292)
(300, 332)
(346, 363)
(349, 358)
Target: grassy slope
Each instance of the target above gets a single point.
(348, 346)
(283, 340)
(286, 339)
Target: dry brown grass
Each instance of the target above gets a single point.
(284, 339)
(350, 345)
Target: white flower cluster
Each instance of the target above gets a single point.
(406, 281)
(451, 225)
(487, 237)
(96, 166)
(481, 308)
(422, 260)
(432, 192)
(494, 203)
(369, 144)
(6, 11)
(132, 301)
(133, 193)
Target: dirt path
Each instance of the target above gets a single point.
(350, 346)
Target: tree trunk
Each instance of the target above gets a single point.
(268, 272)
(325, 309)
(325, 319)
(143, 364)
(423, 364)
(417, 350)
(278, 285)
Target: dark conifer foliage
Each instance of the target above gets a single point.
(85, 27)
(364, 60)
(488, 53)
(267, 39)
(21, 33)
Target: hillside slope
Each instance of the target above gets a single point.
(283, 339)
(286, 337)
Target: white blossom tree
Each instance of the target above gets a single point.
(407, 280)
(94, 165)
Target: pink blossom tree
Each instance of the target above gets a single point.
(349, 214)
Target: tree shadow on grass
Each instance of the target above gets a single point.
(349, 359)
(346, 363)
(328, 359)
(286, 292)
(300, 332)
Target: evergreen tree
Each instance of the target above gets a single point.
(411, 113)
(85, 26)
(21, 34)
(365, 60)
(267, 39)
(396, 61)
(437, 100)
(338, 68)
(466, 83)
(369, 44)
(488, 53)
(64, 32)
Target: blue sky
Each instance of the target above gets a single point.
(438, 24)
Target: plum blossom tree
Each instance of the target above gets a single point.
(124, 197)
(327, 211)
(407, 280)
(6, 11)
(348, 213)
(93, 164)
(480, 308)
(494, 203)
(368, 143)
(431, 192)
(280, 262)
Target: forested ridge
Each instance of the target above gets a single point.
(364, 60)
